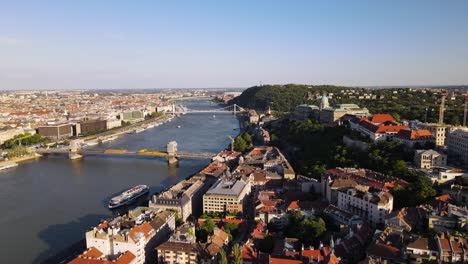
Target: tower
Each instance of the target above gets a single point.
(324, 101)
(172, 152)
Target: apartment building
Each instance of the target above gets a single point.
(370, 205)
(184, 197)
(226, 195)
(457, 145)
(428, 159)
(137, 232)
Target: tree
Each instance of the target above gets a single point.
(222, 258)
(248, 139)
(396, 116)
(237, 254)
(231, 229)
(240, 144)
(266, 244)
(209, 226)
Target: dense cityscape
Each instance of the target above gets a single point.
(256, 201)
(230, 132)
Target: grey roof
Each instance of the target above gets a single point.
(227, 187)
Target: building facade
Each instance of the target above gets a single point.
(58, 131)
(138, 235)
(439, 131)
(457, 145)
(331, 115)
(428, 159)
(226, 195)
(371, 206)
(184, 197)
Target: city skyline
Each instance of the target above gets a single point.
(116, 45)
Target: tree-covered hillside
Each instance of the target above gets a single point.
(402, 103)
(283, 98)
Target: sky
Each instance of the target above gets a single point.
(92, 44)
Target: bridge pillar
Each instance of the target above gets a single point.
(73, 151)
(172, 152)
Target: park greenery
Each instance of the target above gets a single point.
(203, 232)
(401, 103)
(313, 148)
(308, 230)
(17, 151)
(153, 115)
(26, 139)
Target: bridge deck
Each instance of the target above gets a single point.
(113, 152)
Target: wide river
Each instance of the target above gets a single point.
(48, 204)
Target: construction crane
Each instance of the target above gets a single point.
(465, 110)
(442, 107)
(232, 142)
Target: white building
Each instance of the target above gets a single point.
(371, 206)
(112, 123)
(428, 159)
(138, 232)
(457, 145)
(226, 195)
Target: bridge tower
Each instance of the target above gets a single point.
(172, 152)
(74, 148)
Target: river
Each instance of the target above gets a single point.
(48, 204)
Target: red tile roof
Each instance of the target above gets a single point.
(409, 134)
(293, 205)
(284, 261)
(381, 118)
(145, 229)
(126, 258)
(248, 253)
(92, 253)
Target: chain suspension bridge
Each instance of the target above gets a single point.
(74, 151)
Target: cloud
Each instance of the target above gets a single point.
(4, 40)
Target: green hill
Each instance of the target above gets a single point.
(405, 103)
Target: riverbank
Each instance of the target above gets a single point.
(20, 159)
(128, 129)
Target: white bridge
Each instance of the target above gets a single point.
(234, 109)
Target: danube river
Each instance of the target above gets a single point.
(48, 204)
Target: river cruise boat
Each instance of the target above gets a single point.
(128, 196)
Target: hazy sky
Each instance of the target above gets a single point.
(164, 44)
